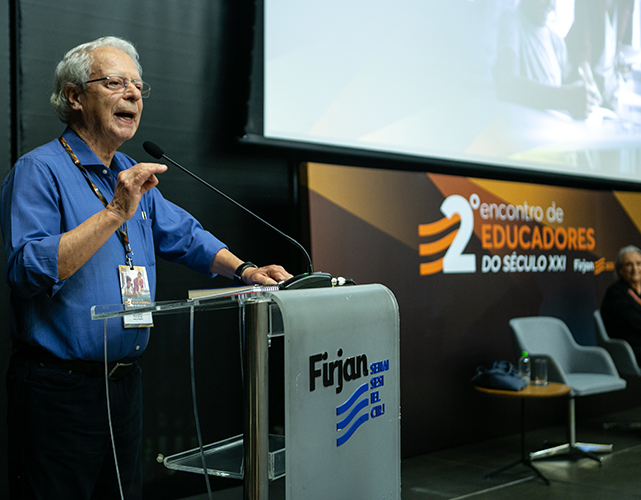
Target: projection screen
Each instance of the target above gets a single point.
(543, 86)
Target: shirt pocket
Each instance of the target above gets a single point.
(147, 234)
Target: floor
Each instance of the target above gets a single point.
(460, 473)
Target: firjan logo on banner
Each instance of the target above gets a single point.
(365, 402)
(518, 238)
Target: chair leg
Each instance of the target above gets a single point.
(572, 447)
(563, 449)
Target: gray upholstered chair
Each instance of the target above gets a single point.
(624, 359)
(620, 351)
(587, 369)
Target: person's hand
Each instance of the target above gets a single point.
(132, 184)
(623, 66)
(267, 275)
(582, 98)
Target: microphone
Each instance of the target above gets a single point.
(310, 279)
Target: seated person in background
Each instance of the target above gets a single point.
(621, 307)
(531, 65)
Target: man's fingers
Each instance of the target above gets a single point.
(141, 177)
(132, 184)
(145, 172)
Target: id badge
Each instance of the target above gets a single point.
(135, 292)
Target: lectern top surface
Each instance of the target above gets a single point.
(219, 298)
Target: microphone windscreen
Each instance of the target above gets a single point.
(153, 149)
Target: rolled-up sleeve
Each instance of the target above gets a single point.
(31, 225)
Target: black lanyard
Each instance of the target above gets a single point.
(122, 230)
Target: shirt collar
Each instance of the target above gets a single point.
(84, 153)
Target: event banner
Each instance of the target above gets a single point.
(463, 256)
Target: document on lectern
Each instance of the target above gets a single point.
(207, 293)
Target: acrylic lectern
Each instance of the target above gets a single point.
(342, 392)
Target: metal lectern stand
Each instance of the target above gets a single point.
(342, 392)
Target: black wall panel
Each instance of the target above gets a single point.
(5, 165)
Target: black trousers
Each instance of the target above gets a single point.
(59, 440)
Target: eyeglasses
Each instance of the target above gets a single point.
(118, 83)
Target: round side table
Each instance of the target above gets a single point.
(551, 390)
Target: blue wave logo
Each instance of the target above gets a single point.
(348, 422)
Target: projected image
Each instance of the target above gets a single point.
(553, 86)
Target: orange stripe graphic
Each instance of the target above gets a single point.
(432, 267)
(437, 246)
(438, 226)
(426, 249)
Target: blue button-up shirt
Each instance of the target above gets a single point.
(46, 195)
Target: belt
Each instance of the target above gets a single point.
(116, 370)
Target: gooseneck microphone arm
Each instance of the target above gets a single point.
(158, 153)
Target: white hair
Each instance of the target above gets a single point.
(75, 69)
(619, 261)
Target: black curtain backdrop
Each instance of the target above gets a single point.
(5, 154)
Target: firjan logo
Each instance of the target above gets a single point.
(365, 402)
(597, 267)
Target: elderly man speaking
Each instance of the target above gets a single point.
(78, 218)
